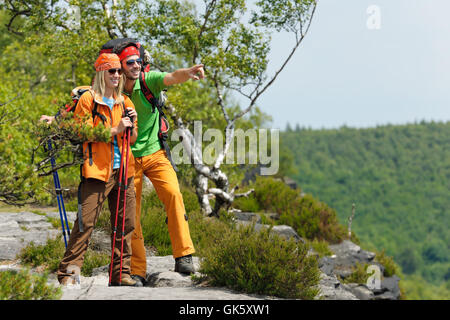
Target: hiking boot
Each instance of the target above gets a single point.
(140, 281)
(127, 281)
(184, 265)
(70, 281)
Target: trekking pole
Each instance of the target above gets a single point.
(59, 197)
(128, 135)
(117, 208)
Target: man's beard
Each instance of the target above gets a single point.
(130, 75)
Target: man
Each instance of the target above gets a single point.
(151, 160)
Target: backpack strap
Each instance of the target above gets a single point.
(163, 123)
(95, 113)
(147, 92)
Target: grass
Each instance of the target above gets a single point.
(51, 253)
(26, 286)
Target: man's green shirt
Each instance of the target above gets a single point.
(148, 125)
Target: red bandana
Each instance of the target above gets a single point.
(129, 51)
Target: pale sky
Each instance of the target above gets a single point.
(346, 73)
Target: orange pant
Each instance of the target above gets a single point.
(160, 172)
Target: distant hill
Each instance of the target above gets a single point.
(399, 178)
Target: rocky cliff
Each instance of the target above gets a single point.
(19, 229)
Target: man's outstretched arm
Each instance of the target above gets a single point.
(182, 75)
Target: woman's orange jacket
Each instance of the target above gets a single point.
(99, 156)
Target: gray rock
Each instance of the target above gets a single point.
(287, 232)
(348, 254)
(390, 289)
(248, 216)
(284, 231)
(361, 291)
(326, 265)
(331, 289)
(164, 284)
(169, 279)
(100, 241)
(272, 215)
(18, 229)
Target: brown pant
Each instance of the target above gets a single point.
(94, 192)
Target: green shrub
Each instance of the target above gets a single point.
(154, 227)
(260, 263)
(25, 286)
(94, 259)
(50, 255)
(321, 247)
(310, 218)
(390, 268)
(359, 274)
(155, 230)
(247, 204)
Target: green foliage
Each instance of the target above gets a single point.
(311, 218)
(398, 177)
(23, 285)
(48, 255)
(51, 253)
(67, 136)
(390, 268)
(359, 274)
(247, 204)
(154, 227)
(270, 265)
(417, 288)
(261, 263)
(321, 247)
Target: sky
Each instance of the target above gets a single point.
(348, 73)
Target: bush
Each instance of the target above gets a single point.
(321, 247)
(310, 218)
(359, 274)
(25, 286)
(50, 255)
(260, 263)
(390, 268)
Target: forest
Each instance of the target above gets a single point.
(398, 177)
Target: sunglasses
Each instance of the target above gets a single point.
(132, 61)
(113, 71)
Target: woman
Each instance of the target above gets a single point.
(100, 172)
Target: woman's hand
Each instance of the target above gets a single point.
(132, 113)
(125, 122)
(48, 119)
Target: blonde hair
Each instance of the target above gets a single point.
(99, 84)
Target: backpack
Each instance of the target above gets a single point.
(76, 95)
(156, 103)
